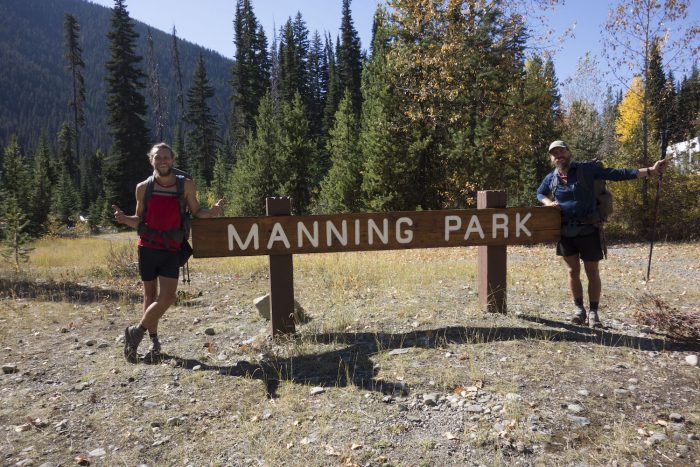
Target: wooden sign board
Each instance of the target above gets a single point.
(285, 235)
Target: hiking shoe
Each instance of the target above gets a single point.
(594, 320)
(579, 317)
(132, 339)
(153, 355)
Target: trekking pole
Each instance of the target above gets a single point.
(664, 137)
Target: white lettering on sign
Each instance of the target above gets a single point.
(374, 232)
(252, 237)
(277, 235)
(302, 231)
(500, 221)
(452, 224)
(520, 225)
(373, 228)
(405, 236)
(474, 226)
(341, 236)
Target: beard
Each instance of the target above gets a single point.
(165, 173)
(563, 165)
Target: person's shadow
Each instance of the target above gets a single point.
(353, 365)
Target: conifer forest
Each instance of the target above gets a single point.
(449, 98)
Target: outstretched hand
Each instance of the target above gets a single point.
(119, 215)
(659, 166)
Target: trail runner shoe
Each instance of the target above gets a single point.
(153, 355)
(594, 320)
(579, 317)
(132, 338)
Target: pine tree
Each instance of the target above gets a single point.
(388, 171)
(349, 56)
(253, 176)
(157, 98)
(67, 159)
(333, 92)
(40, 191)
(295, 170)
(127, 163)
(65, 203)
(341, 188)
(16, 237)
(14, 177)
(318, 84)
(688, 107)
(76, 65)
(251, 68)
(202, 138)
(177, 71)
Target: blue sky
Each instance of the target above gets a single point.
(210, 23)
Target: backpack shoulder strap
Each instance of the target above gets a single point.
(553, 183)
(180, 188)
(147, 195)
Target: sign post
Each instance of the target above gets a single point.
(281, 277)
(492, 261)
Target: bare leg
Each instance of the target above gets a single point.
(166, 297)
(573, 266)
(593, 275)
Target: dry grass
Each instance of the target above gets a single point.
(249, 401)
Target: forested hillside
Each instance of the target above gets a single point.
(444, 102)
(36, 87)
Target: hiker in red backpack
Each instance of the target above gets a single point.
(571, 187)
(160, 218)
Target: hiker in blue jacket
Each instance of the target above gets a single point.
(160, 209)
(570, 188)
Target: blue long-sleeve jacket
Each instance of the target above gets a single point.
(578, 203)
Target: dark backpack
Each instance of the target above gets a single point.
(180, 235)
(604, 199)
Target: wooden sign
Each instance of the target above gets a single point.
(285, 235)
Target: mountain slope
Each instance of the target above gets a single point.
(36, 87)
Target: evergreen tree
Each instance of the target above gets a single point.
(127, 163)
(341, 188)
(583, 130)
(609, 145)
(318, 84)
(180, 149)
(76, 65)
(157, 98)
(349, 56)
(65, 203)
(14, 177)
(251, 68)
(202, 138)
(659, 94)
(253, 177)
(388, 182)
(92, 184)
(40, 190)
(295, 168)
(688, 107)
(16, 237)
(67, 159)
(333, 92)
(177, 70)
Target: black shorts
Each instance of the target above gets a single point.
(588, 246)
(154, 263)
